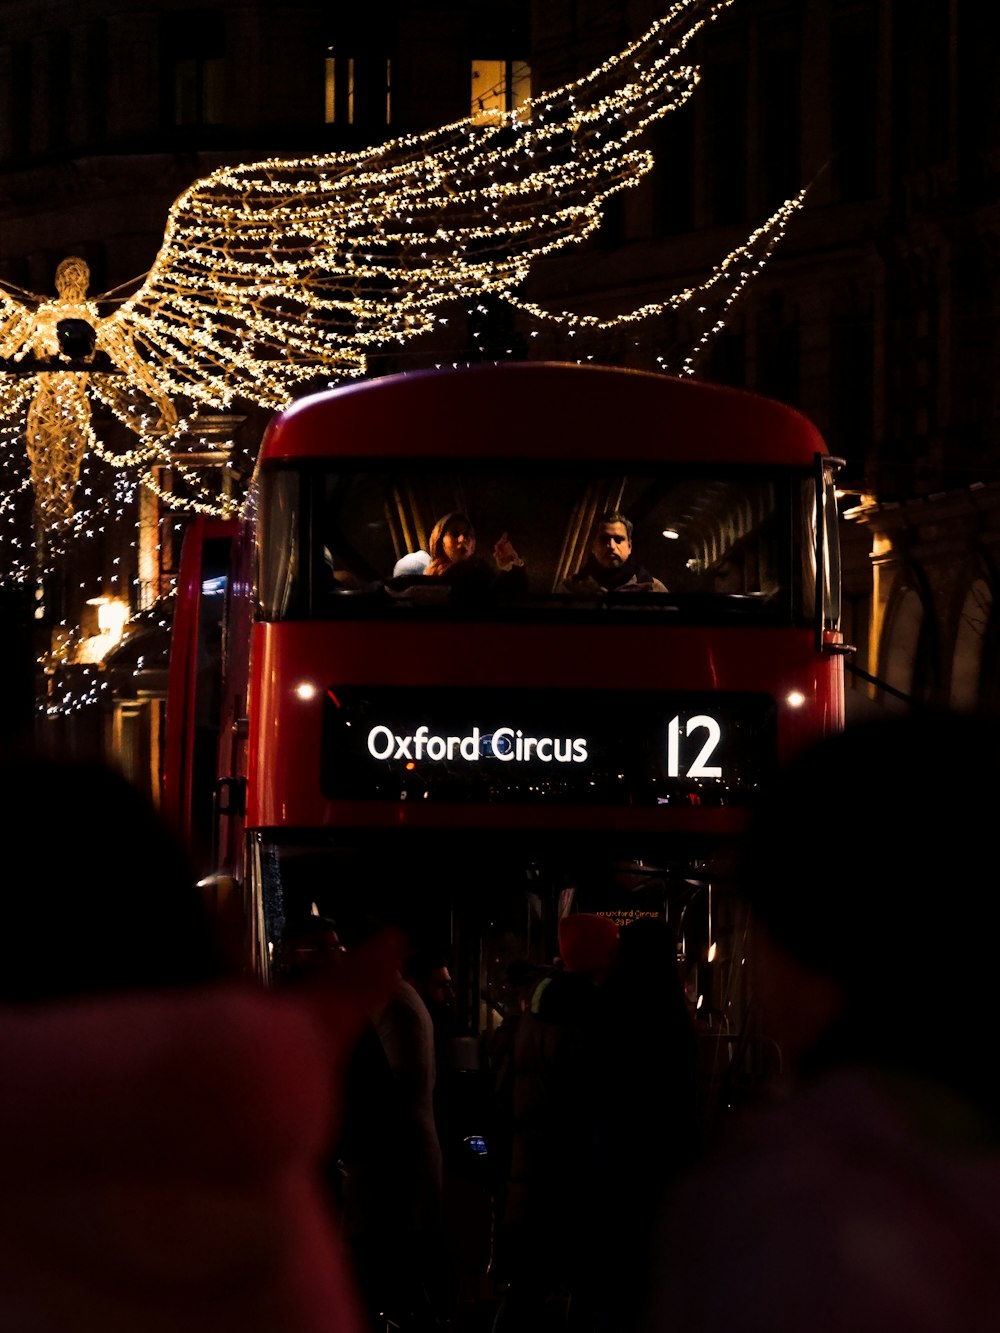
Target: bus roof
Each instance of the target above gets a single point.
(542, 409)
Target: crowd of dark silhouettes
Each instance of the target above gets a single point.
(186, 1149)
(596, 1097)
(863, 1193)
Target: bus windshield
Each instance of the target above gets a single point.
(351, 540)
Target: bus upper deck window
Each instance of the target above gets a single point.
(279, 546)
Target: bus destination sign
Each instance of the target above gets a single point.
(544, 746)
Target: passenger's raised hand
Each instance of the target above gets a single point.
(504, 553)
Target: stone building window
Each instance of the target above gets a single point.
(195, 66)
(854, 102)
(499, 85)
(357, 88)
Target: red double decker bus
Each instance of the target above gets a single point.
(474, 757)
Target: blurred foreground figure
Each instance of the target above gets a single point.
(546, 1240)
(163, 1124)
(865, 1195)
(648, 1130)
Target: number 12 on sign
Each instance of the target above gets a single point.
(701, 768)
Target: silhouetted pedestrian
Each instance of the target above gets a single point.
(548, 1225)
(522, 978)
(362, 1171)
(424, 1297)
(428, 971)
(648, 1125)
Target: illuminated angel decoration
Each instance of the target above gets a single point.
(58, 430)
(273, 274)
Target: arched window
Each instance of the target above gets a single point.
(970, 639)
(901, 641)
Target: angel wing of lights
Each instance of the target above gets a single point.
(274, 273)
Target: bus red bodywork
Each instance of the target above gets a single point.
(280, 668)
